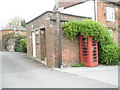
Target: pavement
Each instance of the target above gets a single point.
(107, 74)
(21, 72)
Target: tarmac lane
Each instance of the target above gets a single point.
(21, 72)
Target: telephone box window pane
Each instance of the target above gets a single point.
(84, 51)
(84, 48)
(94, 54)
(94, 57)
(84, 40)
(84, 54)
(94, 47)
(94, 60)
(94, 51)
(84, 45)
(93, 41)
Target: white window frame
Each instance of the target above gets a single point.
(110, 14)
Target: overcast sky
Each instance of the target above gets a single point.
(27, 9)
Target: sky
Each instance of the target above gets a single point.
(27, 9)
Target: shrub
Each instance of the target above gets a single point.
(108, 50)
(79, 65)
(109, 55)
(23, 45)
(20, 44)
(17, 43)
(119, 54)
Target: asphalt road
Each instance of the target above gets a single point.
(21, 72)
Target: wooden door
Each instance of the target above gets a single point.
(43, 44)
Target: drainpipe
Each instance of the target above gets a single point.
(59, 35)
(95, 10)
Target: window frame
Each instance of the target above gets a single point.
(110, 14)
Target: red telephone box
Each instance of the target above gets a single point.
(88, 51)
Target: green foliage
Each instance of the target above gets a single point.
(17, 42)
(23, 23)
(23, 45)
(119, 55)
(109, 55)
(20, 44)
(79, 65)
(86, 28)
(108, 50)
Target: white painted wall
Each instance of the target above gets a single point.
(85, 9)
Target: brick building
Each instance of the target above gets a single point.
(107, 15)
(105, 12)
(42, 44)
(41, 31)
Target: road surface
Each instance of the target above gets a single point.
(21, 72)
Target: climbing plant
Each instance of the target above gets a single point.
(108, 49)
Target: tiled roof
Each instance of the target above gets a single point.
(53, 12)
(11, 27)
(69, 3)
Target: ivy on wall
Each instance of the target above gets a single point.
(108, 49)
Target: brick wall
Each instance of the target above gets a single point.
(70, 51)
(101, 17)
(49, 33)
(70, 48)
(7, 42)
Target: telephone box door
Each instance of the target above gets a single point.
(88, 51)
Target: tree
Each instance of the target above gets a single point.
(17, 21)
(23, 23)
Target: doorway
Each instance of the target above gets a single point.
(33, 44)
(43, 44)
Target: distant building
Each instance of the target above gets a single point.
(13, 29)
(7, 39)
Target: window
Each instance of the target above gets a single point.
(111, 32)
(110, 16)
(37, 36)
